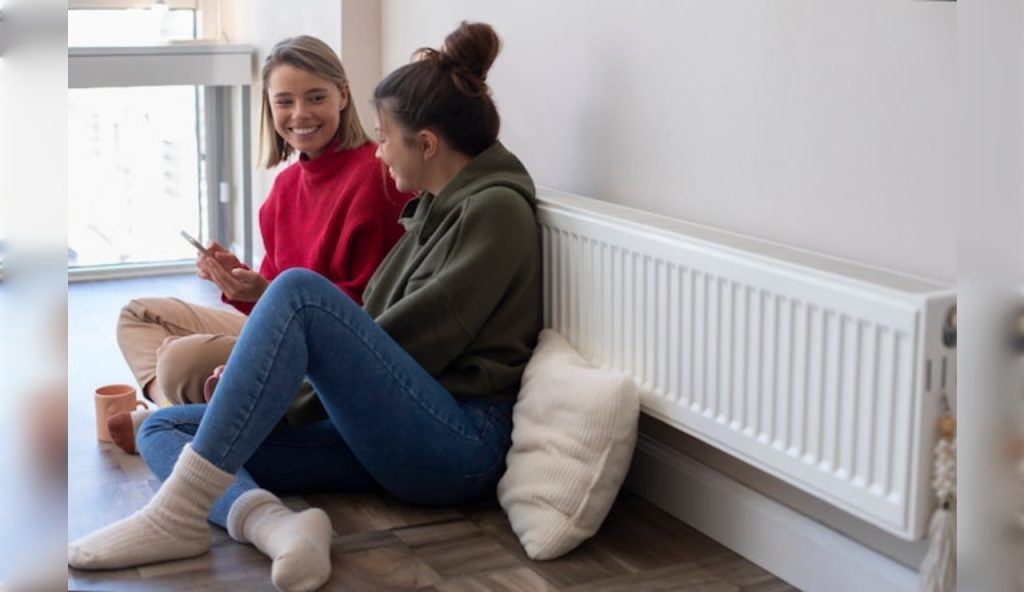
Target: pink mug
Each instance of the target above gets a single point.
(111, 400)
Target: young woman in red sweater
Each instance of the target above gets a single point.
(332, 211)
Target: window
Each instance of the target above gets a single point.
(133, 174)
(134, 26)
(158, 129)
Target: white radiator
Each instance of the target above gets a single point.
(821, 372)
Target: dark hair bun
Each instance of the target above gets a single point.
(471, 48)
(446, 90)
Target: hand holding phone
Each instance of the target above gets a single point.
(234, 279)
(197, 244)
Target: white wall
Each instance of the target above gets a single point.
(822, 125)
(360, 51)
(263, 23)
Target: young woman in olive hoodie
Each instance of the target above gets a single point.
(418, 384)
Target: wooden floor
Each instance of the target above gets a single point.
(379, 543)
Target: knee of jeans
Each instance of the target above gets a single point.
(295, 278)
(293, 288)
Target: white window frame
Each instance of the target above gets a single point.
(226, 72)
(209, 11)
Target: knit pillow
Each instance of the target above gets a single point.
(574, 429)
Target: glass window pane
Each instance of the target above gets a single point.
(89, 28)
(133, 173)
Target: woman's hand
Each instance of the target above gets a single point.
(240, 284)
(225, 257)
(228, 273)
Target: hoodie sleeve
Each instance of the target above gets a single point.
(493, 249)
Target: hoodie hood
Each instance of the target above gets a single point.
(494, 167)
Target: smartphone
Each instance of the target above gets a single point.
(197, 244)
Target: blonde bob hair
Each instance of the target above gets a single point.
(315, 56)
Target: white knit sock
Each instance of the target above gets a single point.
(298, 542)
(171, 526)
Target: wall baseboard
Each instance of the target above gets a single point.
(802, 551)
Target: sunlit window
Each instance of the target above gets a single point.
(158, 130)
(134, 153)
(91, 28)
(133, 173)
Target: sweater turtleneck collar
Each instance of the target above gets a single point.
(325, 165)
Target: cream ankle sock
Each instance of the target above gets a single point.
(171, 526)
(298, 542)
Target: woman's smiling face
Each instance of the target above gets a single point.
(306, 108)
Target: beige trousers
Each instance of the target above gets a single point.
(176, 343)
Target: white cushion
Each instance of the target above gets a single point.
(574, 429)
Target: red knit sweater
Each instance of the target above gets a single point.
(336, 215)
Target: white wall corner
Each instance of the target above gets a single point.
(361, 53)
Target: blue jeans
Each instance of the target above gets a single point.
(391, 424)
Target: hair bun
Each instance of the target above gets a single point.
(470, 49)
(445, 90)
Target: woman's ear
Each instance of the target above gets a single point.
(344, 98)
(428, 142)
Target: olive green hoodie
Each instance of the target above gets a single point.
(460, 292)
